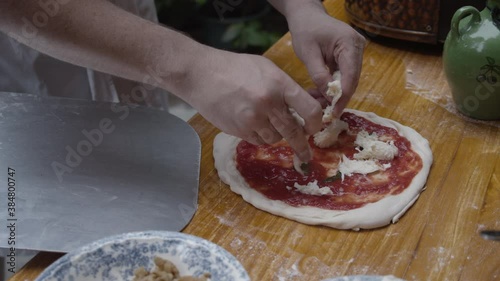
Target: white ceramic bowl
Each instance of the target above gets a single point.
(115, 258)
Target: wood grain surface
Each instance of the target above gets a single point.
(437, 239)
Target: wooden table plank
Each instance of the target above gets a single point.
(35, 266)
(437, 239)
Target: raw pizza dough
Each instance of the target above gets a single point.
(372, 215)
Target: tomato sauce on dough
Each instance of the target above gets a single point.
(269, 169)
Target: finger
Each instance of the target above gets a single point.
(340, 106)
(304, 104)
(294, 134)
(317, 69)
(316, 94)
(332, 66)
(254, 139)
(350, 62)
(269, 134)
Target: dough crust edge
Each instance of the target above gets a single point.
(372, 215)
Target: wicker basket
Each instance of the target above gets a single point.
(425, 21)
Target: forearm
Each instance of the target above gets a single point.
(98, 35)
(291, 8)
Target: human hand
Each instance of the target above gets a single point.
(249, 97)
(325, 44)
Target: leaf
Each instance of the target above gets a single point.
(496, 69)
(490, 60)
(334, 178)
(240, 43)
(255, 25)
(232, 32)
(305, 168)
(257, 39)
(273, 38)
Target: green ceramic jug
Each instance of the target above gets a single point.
(471, 60)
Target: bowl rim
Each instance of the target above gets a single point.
(159, 234)
(369, 277)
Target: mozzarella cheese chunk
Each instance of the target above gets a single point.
(328, 114)
(373, 148)
(329, 135)
(335, 92)
(312, 188)
(336, 75)
(348, 167)
(367, 160)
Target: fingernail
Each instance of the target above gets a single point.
(305, 156)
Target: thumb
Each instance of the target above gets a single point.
(318, 70)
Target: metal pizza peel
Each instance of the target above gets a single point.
(81, 171)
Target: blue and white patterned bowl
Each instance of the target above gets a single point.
(115, 258)
(365, 278)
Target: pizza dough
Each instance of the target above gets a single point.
(372, 215)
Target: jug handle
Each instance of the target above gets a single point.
(461, 14)
(495, 15)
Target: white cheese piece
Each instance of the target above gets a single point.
(348, 167)
(312, 188)
(329, 135)
(334, 89)
(328, 114)
(364, 137)
(336, 75)
(335, 92)
(373, 148)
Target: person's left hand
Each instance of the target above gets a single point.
(325, 44)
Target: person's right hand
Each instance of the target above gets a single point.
(325, 45)
(249, 97)
(243, 95)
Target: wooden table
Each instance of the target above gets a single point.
(437, 239)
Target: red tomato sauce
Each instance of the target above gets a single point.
(269, 170)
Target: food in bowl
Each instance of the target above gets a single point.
(165, 270)
(117, 257)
